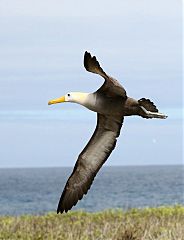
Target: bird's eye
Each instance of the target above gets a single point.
(68, 94)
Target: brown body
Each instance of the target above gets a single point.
(119, 106)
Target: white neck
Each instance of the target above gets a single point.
(88, 100)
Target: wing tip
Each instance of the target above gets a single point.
(61, 210)
(91, 64)
(87, 53)
(65, 204)
(87, 57)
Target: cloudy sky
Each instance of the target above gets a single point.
(42, 45)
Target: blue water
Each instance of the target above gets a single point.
(37, 190)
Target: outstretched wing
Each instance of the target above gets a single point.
(111, 86)
(90, 161)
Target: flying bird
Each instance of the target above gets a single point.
(111, 104)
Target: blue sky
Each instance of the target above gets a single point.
(42, 45)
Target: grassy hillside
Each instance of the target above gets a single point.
(164, 223)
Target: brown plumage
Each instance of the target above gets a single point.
(112, 104)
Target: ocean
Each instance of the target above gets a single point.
(37, 190)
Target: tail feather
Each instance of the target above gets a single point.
(148, 105)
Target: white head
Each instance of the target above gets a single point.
(76, 97)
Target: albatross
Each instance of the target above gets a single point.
(111, 104)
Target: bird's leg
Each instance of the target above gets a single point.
(153, 114)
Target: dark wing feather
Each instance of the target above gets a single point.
(111, 86)
(90, 161)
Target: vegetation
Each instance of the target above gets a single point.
(163, 223)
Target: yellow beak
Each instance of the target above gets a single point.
(57, 100)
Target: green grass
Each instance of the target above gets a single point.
(163, 223)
